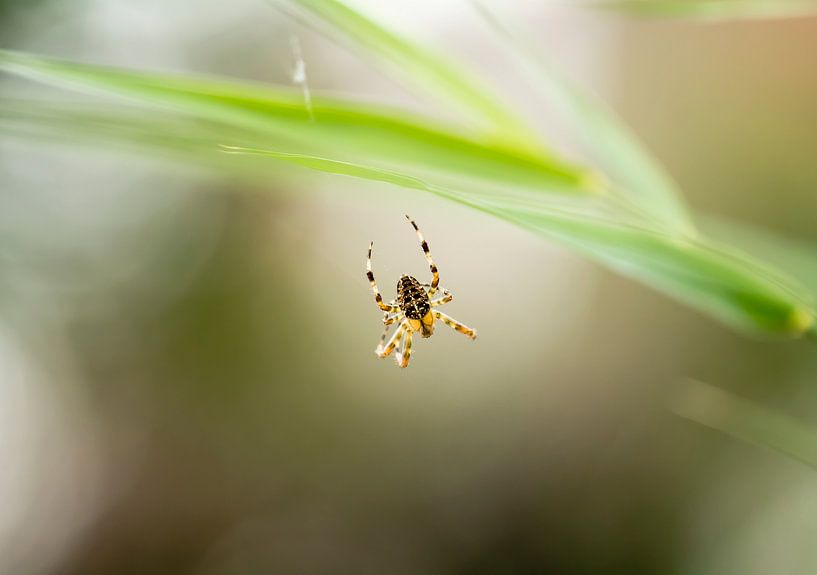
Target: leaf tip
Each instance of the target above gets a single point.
(801, 321)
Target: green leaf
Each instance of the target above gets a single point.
(717, 280)
(729, 286)
(746, 421)
(164, 135)
(733, 288)
(347, 129)
(639, 179)
(416, 64)
(798, 258)
(712, 10)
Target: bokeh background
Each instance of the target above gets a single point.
(187, 383)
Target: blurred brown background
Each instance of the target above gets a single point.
(187, 383)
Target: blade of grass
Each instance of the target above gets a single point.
(712, 10)
(735, 290)
(798, 258)
(360, 132)
(639, 177)
(169, 137)
(416, 64)
(746, 421)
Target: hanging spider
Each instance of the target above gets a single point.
(414, 310)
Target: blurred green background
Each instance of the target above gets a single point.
(187, 383)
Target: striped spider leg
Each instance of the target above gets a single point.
(404, 353)
(443, 299)
(454, 324)
(385, 348)
(389, 318)
(435, 276)
(377, 297)
(447, 319)
(414, 309)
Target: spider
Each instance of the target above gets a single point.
(414, 310)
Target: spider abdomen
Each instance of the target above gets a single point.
(412, 298)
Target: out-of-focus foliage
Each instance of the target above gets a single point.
(731, 286)
(637, 176)
(416, 65)
(712, 10)
(349, 129)
(746, 420)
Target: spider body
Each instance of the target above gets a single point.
(414, 309)
(415, 304)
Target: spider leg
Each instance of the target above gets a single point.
(435, 280)
(382, 351)
(382, 341)
(444, 299)
(398, 352)
(454, 324)
(404, 354)
(377, 297)
(428, 285)
(389, 317)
